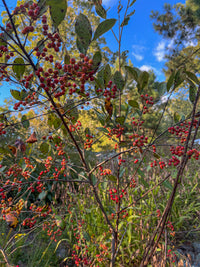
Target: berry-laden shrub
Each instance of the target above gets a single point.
(54, 180)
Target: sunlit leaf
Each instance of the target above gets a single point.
(132, 72)
(133, 103)
(18, 67)
(58, 11)
(103, 27)
(118, 80)
(177, 117)
(83, 31)
(25, 122)
(100, 11)
(192, 94)
(44, 148)
(193, 77)
(120, 120)
(170, 81)
(16, 94)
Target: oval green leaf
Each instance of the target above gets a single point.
(170, 81)
(103, 27)
(83, 28)
(18, 67)
(25, 122)
(118, 80)
(192, 94)
(100, 11)
(177, 117)
(44, 148)
(58, 11)
(16, 94)
(133, 103)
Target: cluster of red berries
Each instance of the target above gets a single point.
(52, 230)
(132, 183)
(139, 140)
(171, 227)
(193, 152)
(137, 122)
(104, 171)
(172, 255)
(147, 102)
(114, 196)
(120, 160)
(109, 92)
(29, 222)
(182, 130)
(32, 10)
(178, 151)
(174, 160)
(118, 131)
(88, 142)
(74, 127)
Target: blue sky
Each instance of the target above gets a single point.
(146, 48)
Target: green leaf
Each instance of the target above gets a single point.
(103, 27)
(16, 94)
(179, 78)
(161, 88)
(125, 21)
(25, 121)
(118, 80)
(44, 148)
(101, 118)
(143, 80)
(87, 131)
(42, 195)
(100, 11)
(170, 81)
(94, 179)
(40, 45)
(57, 123)
(156, 156)
(177, 117)
(193, 77)
(133, 103)
(86, 236)
(192, 94)
(83, 31)
(67, 58)
(127, 18)
(132, 72)
(82, 45)
(97, 58)
(111, 177)
(120, 120)
(18, 69)
(107, 74)
(43, 7)
(102, 129)
(58, 11)
(133, 2)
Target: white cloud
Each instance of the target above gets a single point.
(109, 3)
(149, 68)
(138, 52)
(146, 68)
(160, 50)
(137, 56)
